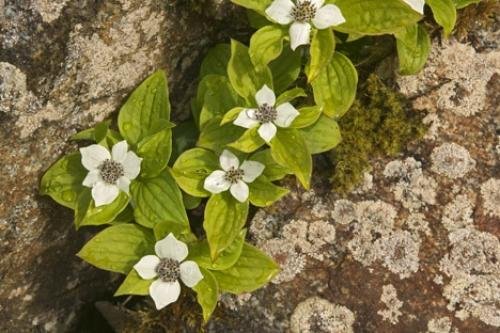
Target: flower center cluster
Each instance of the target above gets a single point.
(304, 11)
(233, 175)
(266, 113)
(110, 171)
(168, 270)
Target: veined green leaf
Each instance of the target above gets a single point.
(273, 170)
(256, 20)
(155, 151)
(445, 14)
(231, 115)
(414, 45)
(459, 4)
(216, 137)
(215, 62)
(207, 293)
(208, 83)
(249, 142)
(134, 285)
(307, 117)
(321, 52)
(289, 149)
(253, 270)
(335, 87)
(266, 44)
(218, 100)
(285, 69)
(118, 248)
(146, 111)
(184, 137)
(191, 169)
(263, 193)
(224, 218)
(63, 180)
(323, 136)
(259, 6)
(290, 95)
(86, 213)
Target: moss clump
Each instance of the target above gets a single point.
(379, 123)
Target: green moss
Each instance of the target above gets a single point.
(380, 123)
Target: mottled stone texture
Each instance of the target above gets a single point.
(65, 65)
(414, 249)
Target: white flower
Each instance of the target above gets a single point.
(168, 266)
(109, 173)
(300, 14)
(416, 5)
(233, 177)
(267, 116)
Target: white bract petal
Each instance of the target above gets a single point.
(265, 96)
(123, 184)
(246, 119)
(240, 191)
(171, 248)
(280, 11)
(146, 267)
(190, 273)
(92, 178)
(131, 165)
(228, 160)
(164, 293)
(267, 131)
(416, 5)
(104, 194)
(119, 151)
(285, 115)
(216, 182)
(299, 34)
(327, 16)
(93, 156)
(252, 170)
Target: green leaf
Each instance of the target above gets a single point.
(184, 137)
(266, 44)
(155, 151)
(207, 293)
(134, 285)
(414, 45)
(285, 69)
(263, 193)
(216, 137)
(445, 14)
(207, 84)
(253, 270)
(190, 202)
(273, 170)
(63, 180)
(290, 95)
(215, 62)
(321, 52)
(258, 5)
(218, 100)
(249, 142)
(162, 230)
(289, 149)
(323, 136)
(335, 87)
(375, 17)
(191, 169)
(256, 20)
(231, 115)
(224, 218)
(126, 216)
(96, 134)
(307, 117)
(464, 3)
(246, 79)
(159, 200)
(86, 213)
(200, 253)
(118, 248)
(146, 111)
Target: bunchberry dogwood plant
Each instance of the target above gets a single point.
(267, 115)
(233, 176)
(270, 105)
(301, 14)
(109, 173)
(167, 267)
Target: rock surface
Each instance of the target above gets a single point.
(414, 249)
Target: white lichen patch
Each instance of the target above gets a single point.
(344, 211)
(393, 305)
(309, 237)
(399, 253)
(458, 213)
(285, 254)
(50, 10)
(317, 315)
(490, 194)
(409, 184)
(474, 266)
(417, 224)
(434, 124)
(451, 160)
(461, 75)
(14, 94)
(439, 325)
